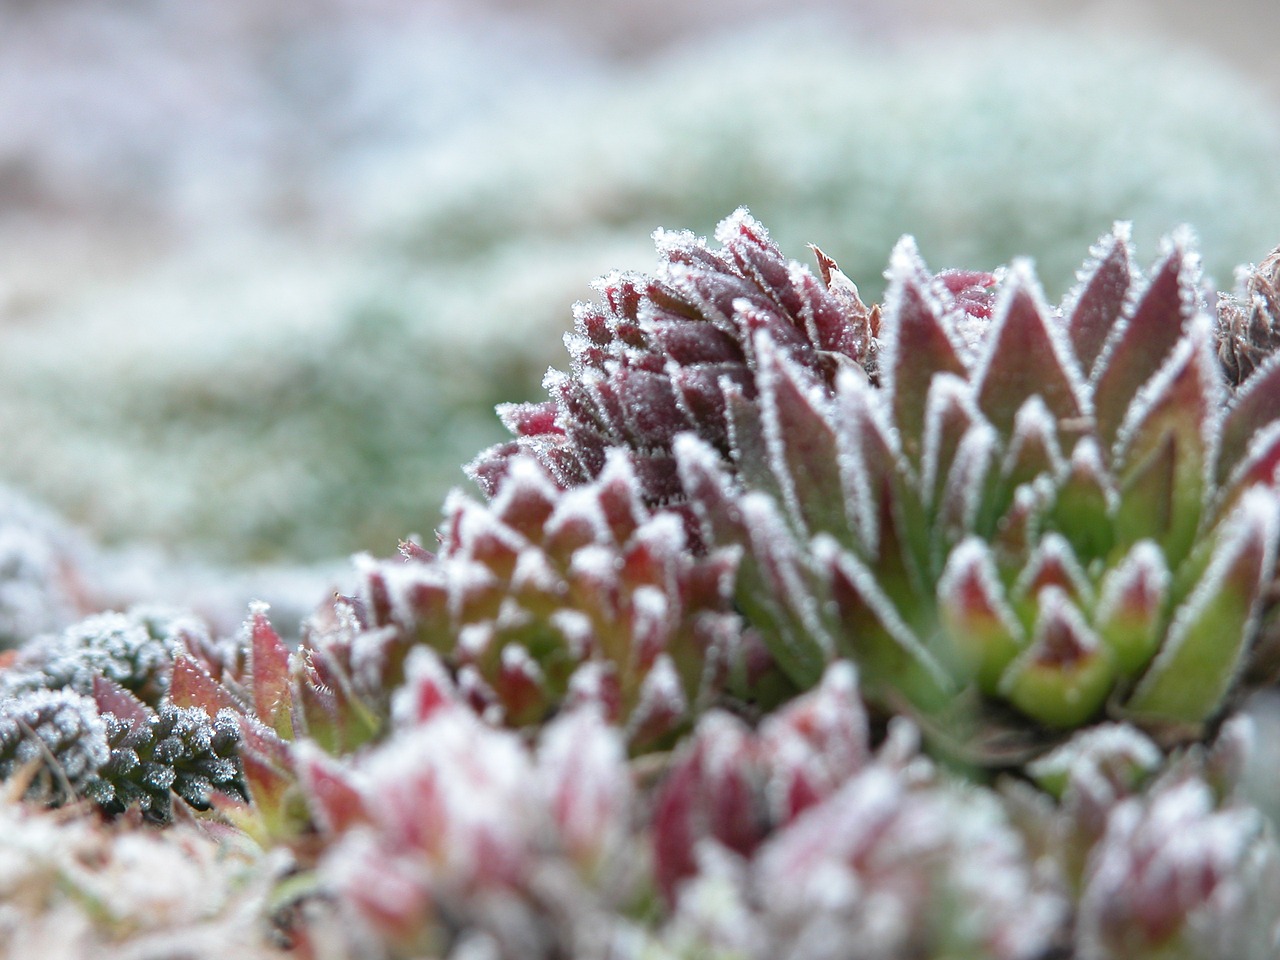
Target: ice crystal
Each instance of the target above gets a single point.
(54, 736)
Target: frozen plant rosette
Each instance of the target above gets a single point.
(1017, 519)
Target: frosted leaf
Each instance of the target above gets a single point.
(1259, 465)
(58, 730)
(662, 701)
(1053, 563)
(427, 687)
(981, 625)
(578, 520)
(1106, 762)
(867, 451)
(881, 639)
(916, 343)
(1033, 446)
(534, 574)
(1151, 327)
(965, 487)
(582, 772)
(1094, 305)
(576, 628)
(1172, 870)
(134, 649)
(782, 564)
(1131, 605)
(949, 413)
(1209, 634)
(651, 623)
(801, 444)
(516, 660)
(1027, 353)
(1253, 409)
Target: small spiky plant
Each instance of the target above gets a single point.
(86, 713)
(1017, 519)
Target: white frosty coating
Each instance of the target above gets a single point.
(781, 561)
(830, 555)
(1086, 460)
(1081, 761)
(1254, 524)
(1034, 423)
(1138, 289)
(1021, 278)
(474, 778)
(907, 268)
(664, 533)
(400, 580)
(962, 493)
(1143, 564)
(852, 868)
(1152, 863)
(948, 393)
(534, 571)
(1121, 234)
(422, 667)
(597, 563)
(57, 727)
(1054, 550)
(661, 694)
(972, 559)
(524, 480)
(800, 277)
(1260, 444)
(860, 406)
(516, 659)
(774, 367)
(1055, 609)
(651, 613)
(584, 781)
(577, 630)
(727, 229)
(580, 506)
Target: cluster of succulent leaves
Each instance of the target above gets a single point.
(679, 687)
(1017, 520)
(87, 714)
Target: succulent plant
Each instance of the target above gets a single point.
(1017, 520)
(544, 597)
(89, 708)
(1249, 320)
(53, 737)
(824, 843)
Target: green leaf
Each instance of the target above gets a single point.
(872, 632)
(1210, 632)
(1163, 453)
(979, 625)
(1064, 677)
(801, 444)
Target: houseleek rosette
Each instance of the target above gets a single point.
(1016, 519)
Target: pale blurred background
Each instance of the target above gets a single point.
(266, 267)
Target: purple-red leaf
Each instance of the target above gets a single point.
(1101, 298)
(1024, 359)
(917, 345)
(1139, 345)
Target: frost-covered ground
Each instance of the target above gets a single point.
(268, 269)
